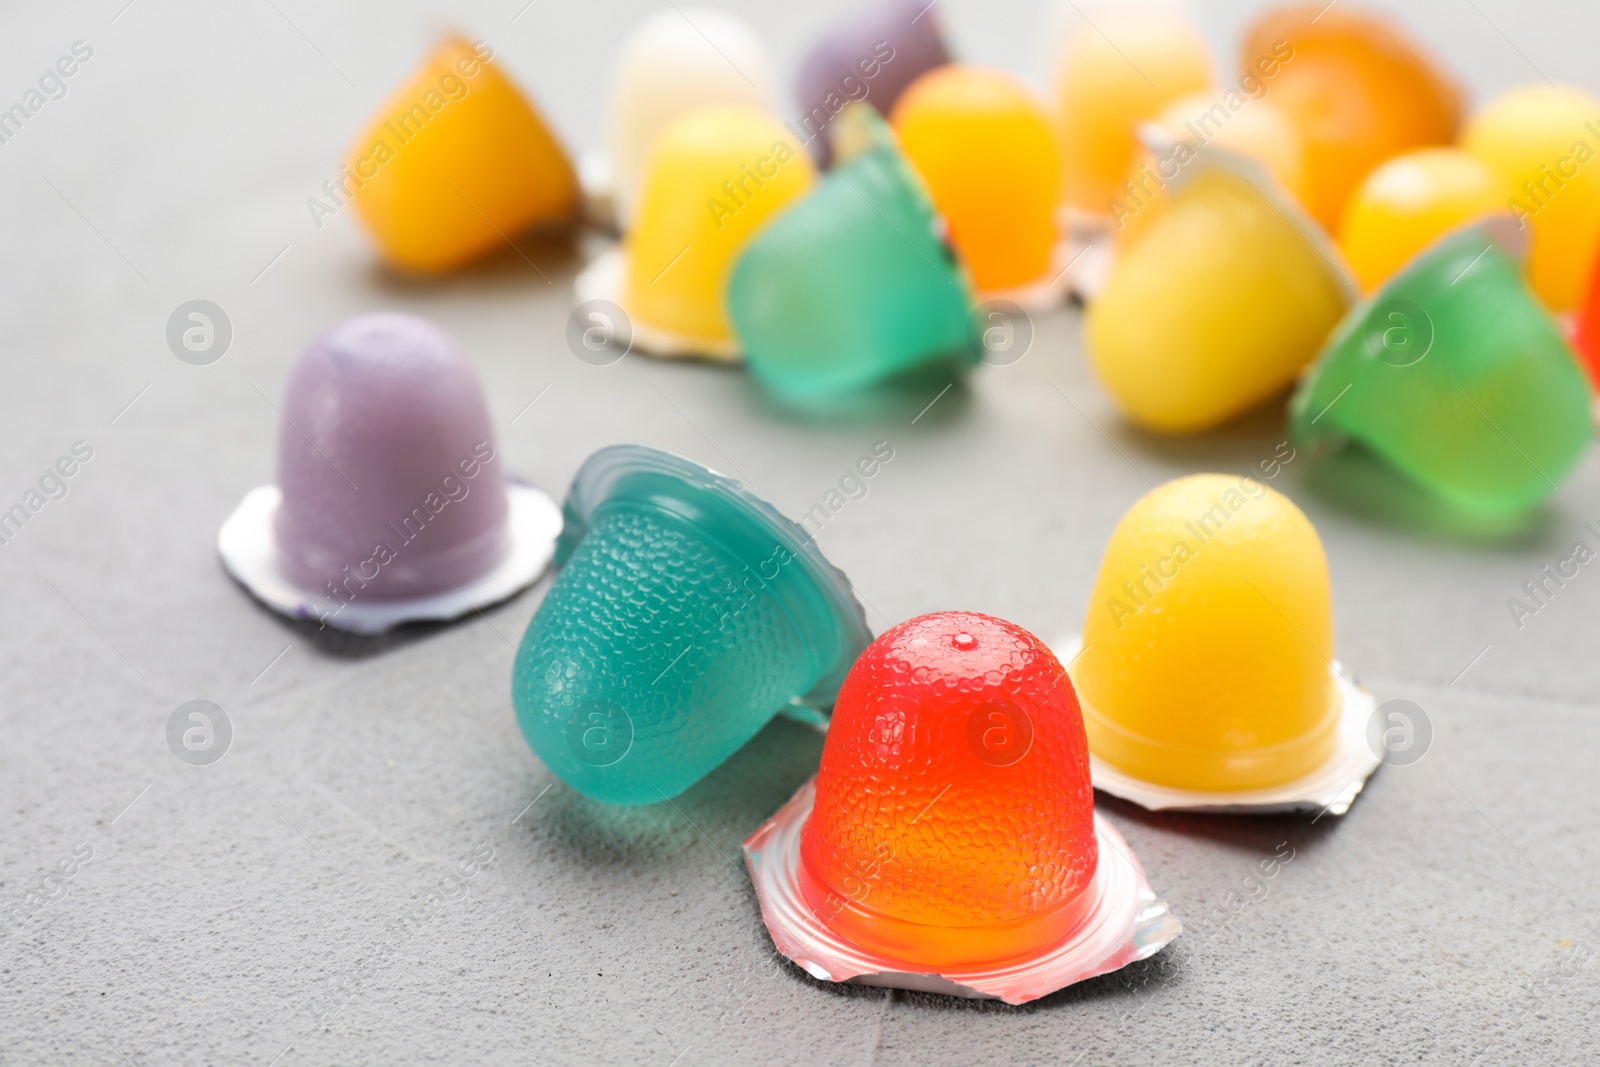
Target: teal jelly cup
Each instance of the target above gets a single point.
(852, 285)
(1455, 375)
(686, 615)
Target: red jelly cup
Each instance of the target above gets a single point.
(949, 842)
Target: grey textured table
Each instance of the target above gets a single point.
(274, 908)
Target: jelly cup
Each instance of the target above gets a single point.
(982, 143)
(1586, 329)
(1455, 375)
(392, 504)
(687, 613)
(870, 54)
(1356, 88)
(673, 63)
(1205, 668)
(1218, 303)
(949, 842)
(1408, 203)
(713, 178)
(456, 163)
(1113, 74)
(851, 285)
(1541, 141)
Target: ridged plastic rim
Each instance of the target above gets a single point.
(595, 484)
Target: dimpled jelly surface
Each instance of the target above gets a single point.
(1213, 674)
(649, 662)
(954, 788)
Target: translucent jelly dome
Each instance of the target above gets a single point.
(986, 150)
(673, 63)
(712, 178)
(1216, 305)
(1111, 76)
(954, 819)
(1538, 142)
(1206, 649)
(1407, 203)
(1356, 89)
(391, 483)
(456, 162)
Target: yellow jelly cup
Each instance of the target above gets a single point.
(713, 178)
(1218, 304)
(1208, 642)
(1111, 76)
(456, 163)
(1542, 143)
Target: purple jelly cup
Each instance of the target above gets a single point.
(872, 55)
(392, 502)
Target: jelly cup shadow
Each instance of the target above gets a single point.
(534, 257)
(716, 812)
(1250, 833)
(913, 399)
(1362, 485)
(347, 645)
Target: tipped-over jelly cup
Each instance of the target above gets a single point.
(1454, 374)
(869, 54)
(988, 153)
(949, 841)
(392, 503)
(454, 164)
(714, 177)
(1206, 660)
(675, 62)
(687, 613)
(1114, 72)
(1356, 88)
(851, 285)
(1219, 303)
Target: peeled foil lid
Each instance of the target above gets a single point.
(1126, 922)
(604, 279)
(246, 544)
(1328, 790)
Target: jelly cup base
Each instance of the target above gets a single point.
(604, 279)
(1124, 923)
(599, 193)
(1330, 789)
(245, 543)
(1090, 246)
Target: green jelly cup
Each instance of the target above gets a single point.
(686, 615)
(852, 285)
(1454, 374)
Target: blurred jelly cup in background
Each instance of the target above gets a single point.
(456, 163)
(871, 54)
(1207, 648)
(673, 62)
(392, 502)
(850, 286)
(713, 177)
(1256, 130)
(1409, 202)
(1114, 72)
(1218, 303)
(686, 615)
(1541, 142)
(985, 148)
(1356, 89)
(1454, 374)
(949, 841)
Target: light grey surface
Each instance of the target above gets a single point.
(272, 908)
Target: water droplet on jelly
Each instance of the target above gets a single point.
(965, 642)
